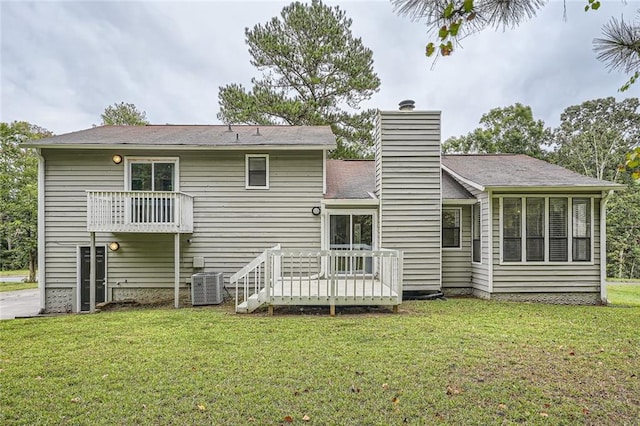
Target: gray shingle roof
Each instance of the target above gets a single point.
(452, 190)
(517, 170)
(350, 179)
(193, 136)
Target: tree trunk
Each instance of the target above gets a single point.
(32, 267)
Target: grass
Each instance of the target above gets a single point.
(463, 361)
(11, 286)
(18, 273)
(624, 294)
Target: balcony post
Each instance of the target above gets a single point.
(92, 273)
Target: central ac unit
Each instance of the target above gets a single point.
(206, 288)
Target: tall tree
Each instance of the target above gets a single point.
(123, 114)
(314, 72)
(623, 233)
(19, 195)
(448, 21)
(510, 129)
(594, 137)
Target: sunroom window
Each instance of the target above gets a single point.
(549, 223)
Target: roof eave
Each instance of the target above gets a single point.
(556, 188)
(458, 201)
(179, 147)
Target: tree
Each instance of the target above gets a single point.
(123, 115)
(632, 163)
(451, 20)
(19, 195)
(314, 72)
(623, 233)
(510, 129)
(594, 137)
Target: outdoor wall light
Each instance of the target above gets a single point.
(315, 211)
(117, 158)
(114, 246)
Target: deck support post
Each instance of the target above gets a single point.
(395, 309)
(176, 269)
(332, 310)
(270, 310)
(92, 273)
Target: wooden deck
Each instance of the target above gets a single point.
(349, 290)
(321, 278)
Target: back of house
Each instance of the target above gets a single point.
(132, 212)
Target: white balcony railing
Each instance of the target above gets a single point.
(139, 211)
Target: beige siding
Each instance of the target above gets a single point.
(408, 181)
(231, 224)
(456, 263)
(553, 278)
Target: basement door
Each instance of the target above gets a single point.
(85, 264)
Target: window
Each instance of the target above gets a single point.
(476, 247)
(549, 224)
(582, 229)
(512, 229)
(535, 229)
(558, 220)
(257, 171)
(152, 177)
(451, 228)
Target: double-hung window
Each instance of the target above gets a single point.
(257, 171)
(451, 228)
(546, 229)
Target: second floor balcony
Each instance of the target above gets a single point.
(139, 211)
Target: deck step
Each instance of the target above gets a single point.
(251, 304)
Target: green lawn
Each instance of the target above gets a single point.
(464, 361)
(18, 273)
(623, 293)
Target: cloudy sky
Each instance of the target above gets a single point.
(63, 62)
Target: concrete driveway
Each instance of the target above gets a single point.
(19, 303)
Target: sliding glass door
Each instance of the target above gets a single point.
(351, 232)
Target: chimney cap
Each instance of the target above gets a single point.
(407, 105)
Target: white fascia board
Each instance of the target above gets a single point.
(350, 202)
(463, 179)
(458, 202)
(572, 189)
(188, 147)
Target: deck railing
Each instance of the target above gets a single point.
(321, 277)
(139, 211)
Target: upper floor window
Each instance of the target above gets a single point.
(451, 228)
(541, 229)
(257, 171)
(147, 174)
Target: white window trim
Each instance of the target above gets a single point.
(246, 171)
(523, 218)
(459, 246)
(129, 160)
(473, 225)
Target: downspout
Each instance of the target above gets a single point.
(490, 241)
(41, 231)
(603, 245)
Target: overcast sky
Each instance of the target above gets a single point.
(63, 62)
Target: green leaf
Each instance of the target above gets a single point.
(448, 11)
(467, 6)
(455, 27)
(430, 49)
(595, 5)
(443, 33)
(586, 8)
